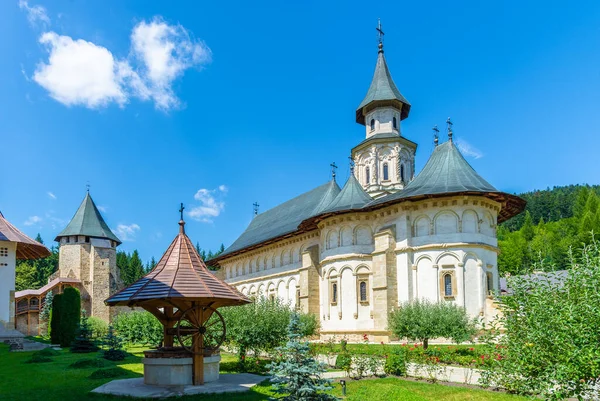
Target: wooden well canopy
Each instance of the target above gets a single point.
(184, 295)
(26, 247)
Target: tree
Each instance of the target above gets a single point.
(70, 316)
(83, 340)
(114, 346)
(25, 276)
(527, 229)
(295, 373)
(55, 320)
(423, 320)
(136, 268)
(548, 347)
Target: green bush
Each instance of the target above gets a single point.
(107, 373)
(422, 320)
(395, 364)
(344, 362)
(98, 326)
(70, 311)
(83, 341)
(114, 346)
(309, 324)
(139, 328)
(37, 358)
(261, 326)
(90, 363)
(55, 316)
(548, 347)
(48, 352)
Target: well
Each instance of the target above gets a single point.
(173, 367)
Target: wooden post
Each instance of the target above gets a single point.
(198, 358)
(168, 324)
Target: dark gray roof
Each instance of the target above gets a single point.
(446, 172)
(89, 222)
(352, 196)
(285, 218)
(382, 88)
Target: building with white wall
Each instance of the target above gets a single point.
(351, 254)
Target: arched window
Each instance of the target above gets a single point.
(362, 289)
(402, 172)
(334, 293)
(368, 175)
(447, 285)
(386, 175)
(372, 124)
(395, 123)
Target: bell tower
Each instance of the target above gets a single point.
(385, 159)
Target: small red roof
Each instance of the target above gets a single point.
(26, 247)
(180, 275)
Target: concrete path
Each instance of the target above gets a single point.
(227, 383)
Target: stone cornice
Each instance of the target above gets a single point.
(262, 278)
(402, 249)
(335, 258)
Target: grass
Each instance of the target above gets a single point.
(56, 381)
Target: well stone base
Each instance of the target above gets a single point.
(178, 371)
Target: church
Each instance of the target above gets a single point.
(350, 255)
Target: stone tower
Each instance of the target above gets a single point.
(385, 159)
(88, 253)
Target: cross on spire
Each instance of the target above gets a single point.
(351, 161)
(380, 34)
(436, 132)
(256, 205)
(333, 168)
(449, 123)
(181, 208)
(87, 187)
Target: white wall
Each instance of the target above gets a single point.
(7, 280)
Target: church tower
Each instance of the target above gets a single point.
(385, 159)
(88, 253)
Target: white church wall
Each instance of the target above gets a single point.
(7, 281)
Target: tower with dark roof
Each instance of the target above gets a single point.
(88, 253)
(385, 159)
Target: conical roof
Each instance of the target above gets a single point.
(445, 172)
(382, 89)
(352, 196)
(26, 247)
(89, 222)
(180, 276)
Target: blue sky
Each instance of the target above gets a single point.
(255, 100)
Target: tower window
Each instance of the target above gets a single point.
(395, 123)
(372, 124)
(87, 239)
(298, 298)
(334, 293)
(447, 285)
(402, 172)
(386, 175)
(368, 175)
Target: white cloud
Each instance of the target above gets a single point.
(35, 14)
(103, 209)
(51, 195)
(211, 204)
(165, 51)
(32, 220)
(468, 150)
(81, 73)
(127, 232)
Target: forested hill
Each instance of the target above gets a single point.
(553, 221)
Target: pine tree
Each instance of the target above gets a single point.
(83, 341)
(297, 374)
(114, 346)
(136, 267)
(527, 229)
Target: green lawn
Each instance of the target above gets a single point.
(56, 381)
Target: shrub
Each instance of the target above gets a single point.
(48, 352)
(114, 346)
(37, 358)
(551, 325)
(422, 320)
(261, 326)
(139, 328)
(344, 362)
(395, 364)
(89, 363)
(107, 373)
(83, 342)
(98, 326)
(70, 310)
(55, 316)
(295, 373)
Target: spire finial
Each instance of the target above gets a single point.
(256, 205)
(351, 164)
(380, 34)
(181, 222)
(87, 187)
(436, 132)
(449, 123)
(333, 168)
